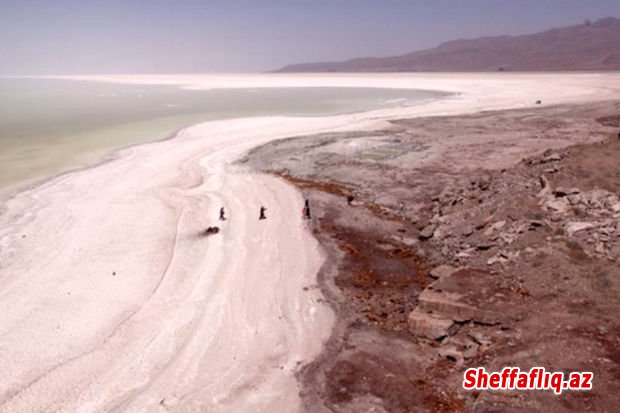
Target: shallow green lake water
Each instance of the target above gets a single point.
(49, 126)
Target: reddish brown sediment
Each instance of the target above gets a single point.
(523, 287)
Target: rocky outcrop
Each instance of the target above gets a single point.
(433, 327)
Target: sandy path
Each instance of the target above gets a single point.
(185, 323)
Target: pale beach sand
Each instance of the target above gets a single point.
(110, 299)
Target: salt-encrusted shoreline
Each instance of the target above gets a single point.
(111, 299)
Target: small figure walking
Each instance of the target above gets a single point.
(222, 214)
(306, 211)
(262, 213)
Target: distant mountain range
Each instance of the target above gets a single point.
(588, 46)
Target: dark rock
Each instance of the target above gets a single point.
(427, 232)
(483, 246)
(484, 182)
(480, 223)
(563, 191)
(443, 270)
(545, 187)
(536, 224)
(554, 157)
(480, 339)
(422, 223)
(452, 354)
(497, 259)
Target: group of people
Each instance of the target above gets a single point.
(261, 214)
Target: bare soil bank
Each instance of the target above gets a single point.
(484, 240)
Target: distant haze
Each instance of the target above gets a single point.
(159, 36)
(593, 46)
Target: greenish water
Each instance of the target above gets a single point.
(49, 126)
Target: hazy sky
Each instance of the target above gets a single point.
(154, 36)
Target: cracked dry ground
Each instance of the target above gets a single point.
(517, 264)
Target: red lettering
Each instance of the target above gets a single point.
(513, 376)
(483, 379)
(533, 374)
(541, 373)
(537, 378)
(469, 379)
(505, 374)
(556, 382)
(587, 376)
(494, 379)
